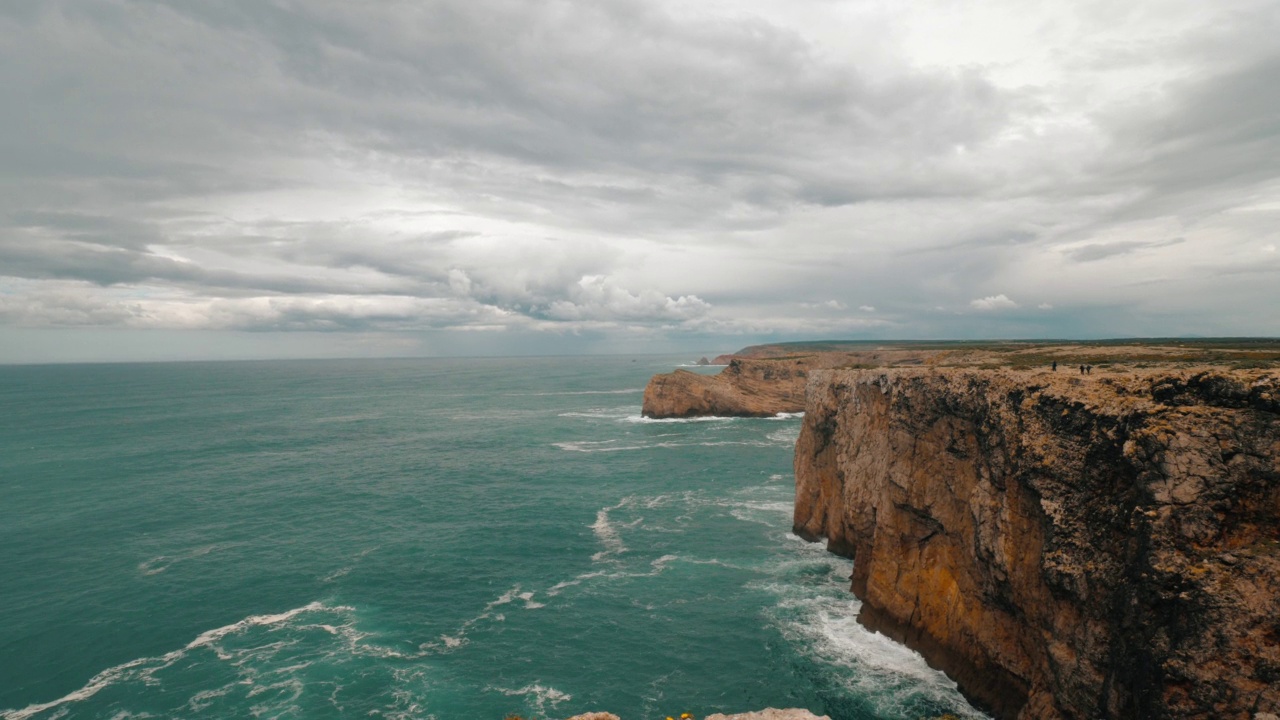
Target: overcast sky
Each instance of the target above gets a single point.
(454, 177)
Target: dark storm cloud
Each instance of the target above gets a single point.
(580, 86)
(105, 265)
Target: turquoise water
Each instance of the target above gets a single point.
(412, 539)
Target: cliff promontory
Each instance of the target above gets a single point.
(745, 388)
(1064, 545)
(762, 380)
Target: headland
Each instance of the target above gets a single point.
(1095, 539)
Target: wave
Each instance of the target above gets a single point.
(625, 391)
(615, 413)
(679, 421)
(541, 696)
(594, 446)
(145, 668)
(713, 418)
(606, 446)
(160, 563)
(816, 614)
(766, 513)
(607, 534)
(785, 436)
(346, 418)
(560, 586)
(458, 638)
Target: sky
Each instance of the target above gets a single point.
(468, 177)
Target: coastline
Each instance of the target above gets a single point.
(1060, 543)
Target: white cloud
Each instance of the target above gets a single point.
(542, 183)
(1045, 306)
(597, 297)
(993, 302)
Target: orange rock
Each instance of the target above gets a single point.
(1106, 549)
(746, 388)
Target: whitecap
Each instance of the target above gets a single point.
(346, 418)
(786, 436)
(529, 602)
(144, 668)
(623, 391)
(597, 446)
(541, 695)
(160, 563)
(822, 620)
(504, 598)
(456, 640)
(607, 534)
(560, 586)
(600, 413)
(702, 419)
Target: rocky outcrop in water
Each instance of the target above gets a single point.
(771, 714)
(746, 388)
(767, 714)
(1063, 546)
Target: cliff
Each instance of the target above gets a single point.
(1065, 546)
(745, 388)
(762, 380)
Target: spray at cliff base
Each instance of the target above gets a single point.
(413, 539)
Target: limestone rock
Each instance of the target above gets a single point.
(595, 716)
(1064, 548)
(771, 714)
(746, 388)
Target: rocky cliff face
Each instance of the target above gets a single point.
(1064, 546)
(746, 388)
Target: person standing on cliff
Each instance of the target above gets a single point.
(1055, 366)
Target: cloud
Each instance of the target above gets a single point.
(1099, 251)
(601, 298)
(638, 166)
(993, 302)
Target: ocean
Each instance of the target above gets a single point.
(449, 539)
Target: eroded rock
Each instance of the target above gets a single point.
(746, 388)
(1107, 548)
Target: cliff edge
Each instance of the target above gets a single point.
(762, 380)
(745, 388)
(1064, 546)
